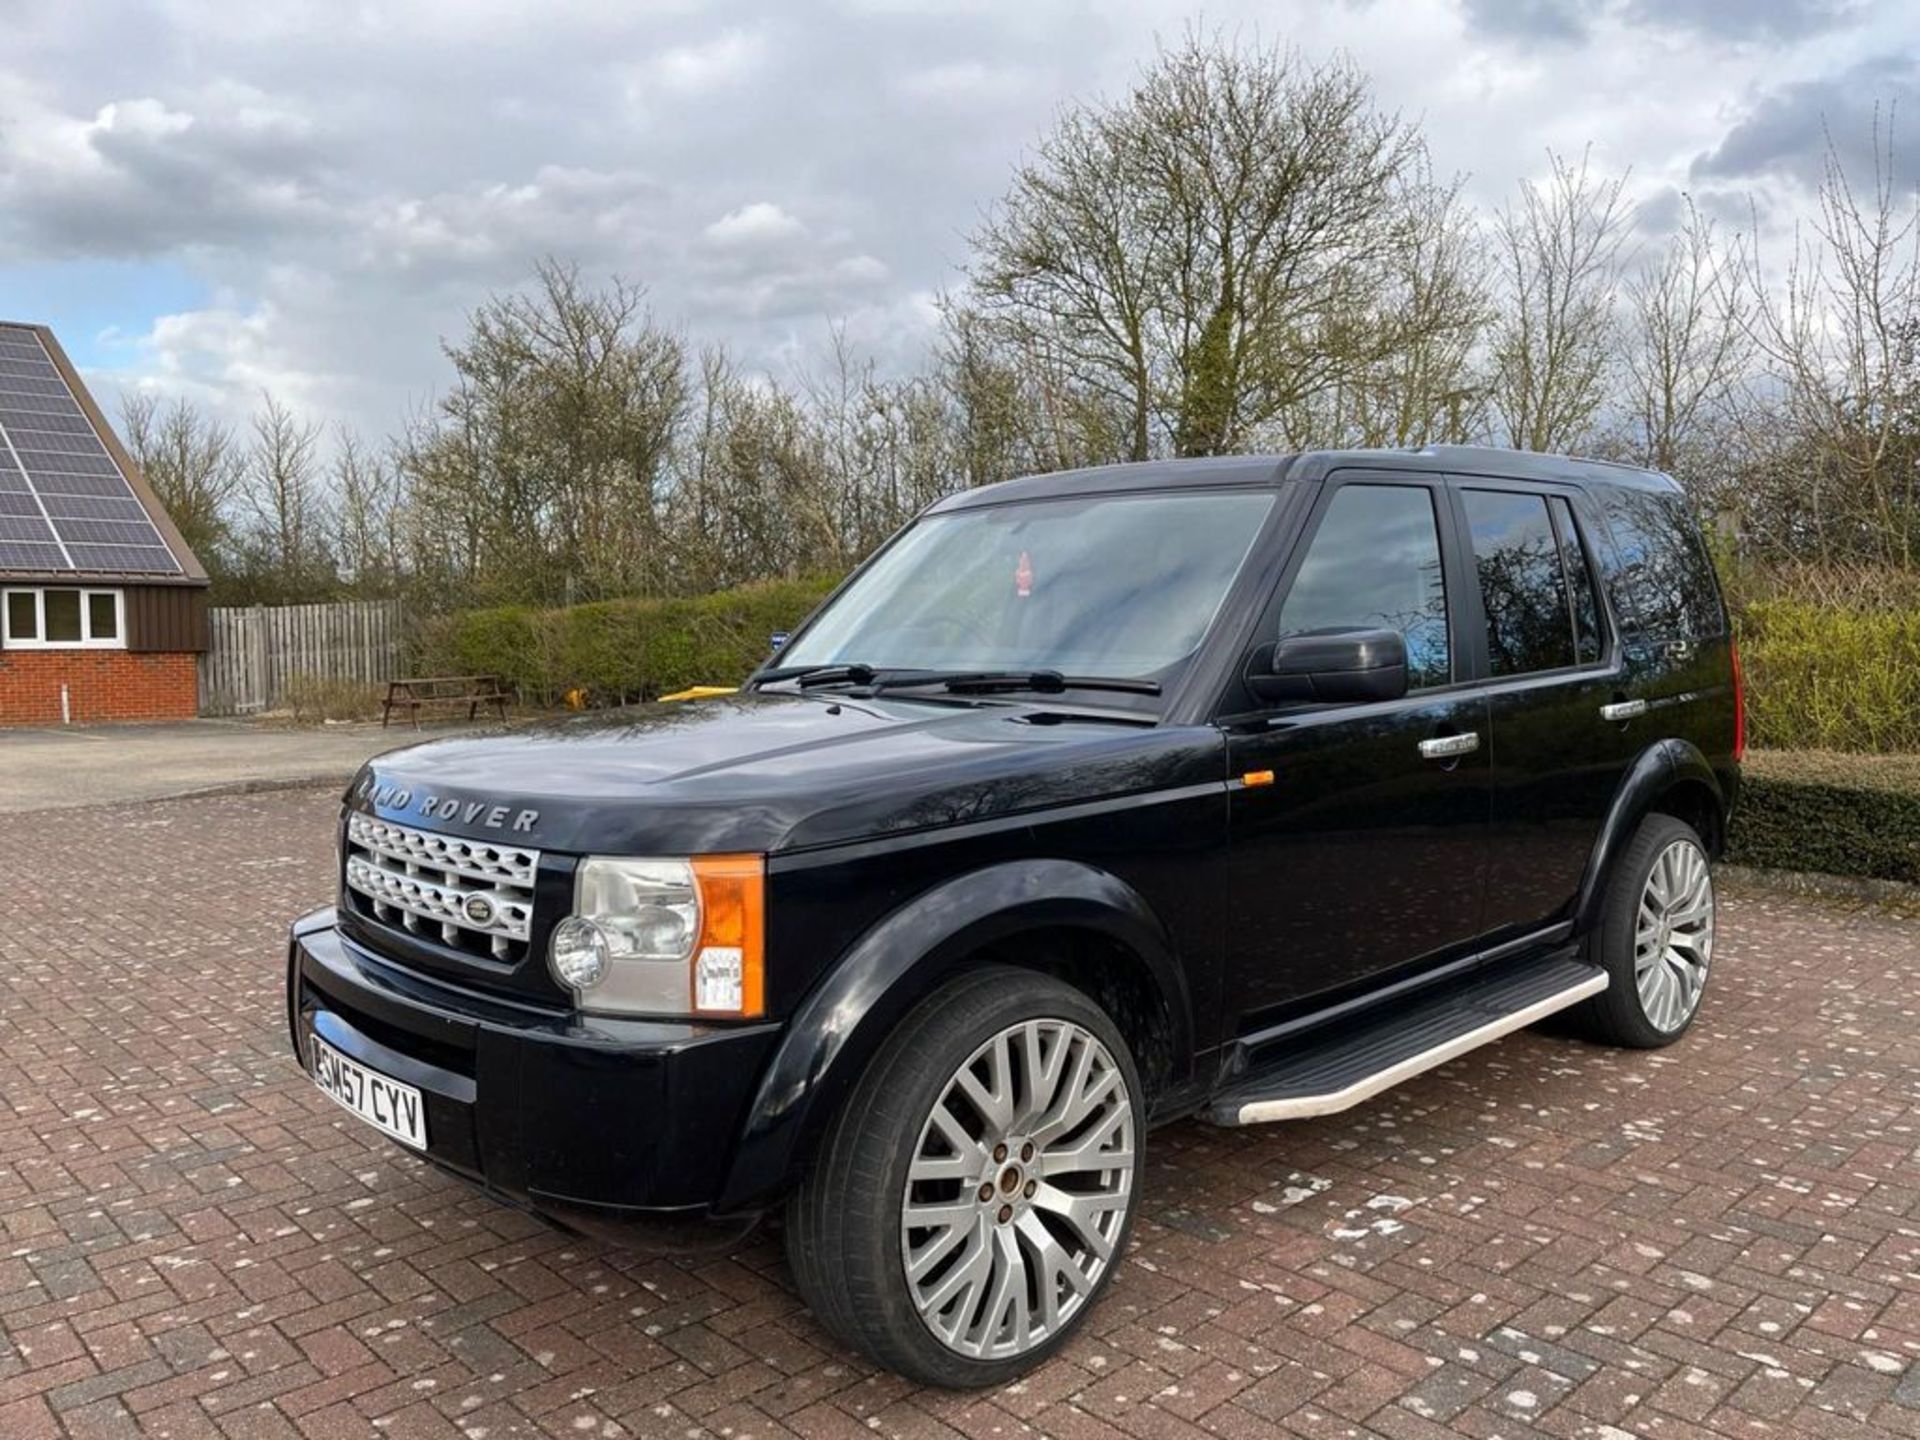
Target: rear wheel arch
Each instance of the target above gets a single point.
(1692, 801)
(1670, 777)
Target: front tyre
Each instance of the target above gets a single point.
(1655, 938)
(972, 1198)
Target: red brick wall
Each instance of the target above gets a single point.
(101, 685)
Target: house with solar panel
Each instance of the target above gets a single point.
(103, 608)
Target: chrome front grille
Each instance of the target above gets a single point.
(475, 895)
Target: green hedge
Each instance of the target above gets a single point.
(1828, 677)
(618, 650)
(1837, 814)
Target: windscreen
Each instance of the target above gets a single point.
(1113, 585)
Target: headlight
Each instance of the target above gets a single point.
(665, 937)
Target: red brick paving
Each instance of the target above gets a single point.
(1545, 1237)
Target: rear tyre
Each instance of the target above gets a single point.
(1655, 939)
(974, 1195)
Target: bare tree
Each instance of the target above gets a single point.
(193, 465)
(1554, 342)
(1430, 386)
(287, 508)
(1685, 355)
(1841, 338)
(368, 520)
(1016, 404)
(1203, 254)
(547, 462)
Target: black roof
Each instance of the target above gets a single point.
(1255, 470)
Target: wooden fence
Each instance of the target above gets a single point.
(253, 650)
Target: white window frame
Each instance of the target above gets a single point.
(39, 641)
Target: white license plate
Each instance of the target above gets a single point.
(385, 1104)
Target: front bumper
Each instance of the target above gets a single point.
(601, 1124)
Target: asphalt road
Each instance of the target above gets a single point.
(43, 769)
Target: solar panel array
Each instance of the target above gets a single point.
(64, 504)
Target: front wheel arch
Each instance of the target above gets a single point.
(1058, 917)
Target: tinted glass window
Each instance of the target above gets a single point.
(23, 615)
(1374, 563)
(1098, 585)
(103, 616)
(63, 615)
(1665, 582)
(1588, 642)
(1522, 587)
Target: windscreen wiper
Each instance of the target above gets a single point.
(834, 674)
(856, 672)
(1045, 682)
(958, 682)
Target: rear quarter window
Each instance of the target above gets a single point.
(1662, 579)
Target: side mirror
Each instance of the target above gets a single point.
(1344, 667)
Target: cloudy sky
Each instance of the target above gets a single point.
(211, 198)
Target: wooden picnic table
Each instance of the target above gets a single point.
(444, 691)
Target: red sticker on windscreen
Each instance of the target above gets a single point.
(1023, 576)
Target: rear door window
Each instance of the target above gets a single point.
(1589, 642)
(1374, 563)
(1523, 583)
(1664, 583)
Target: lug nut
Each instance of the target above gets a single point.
(999, 1153)
(986, 1192)
(1006, 1213)
(1026, 1151)
(1033, 1188)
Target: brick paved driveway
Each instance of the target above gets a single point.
(1544, 1237)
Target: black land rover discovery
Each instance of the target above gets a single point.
(1239, 789)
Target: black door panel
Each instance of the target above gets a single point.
(1556, 760)
(1556, 767)
(1361, 855)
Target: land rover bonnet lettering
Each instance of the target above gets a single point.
(440, 807)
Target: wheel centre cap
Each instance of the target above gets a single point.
(1010, 1180)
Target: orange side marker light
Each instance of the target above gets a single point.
(1257, 777)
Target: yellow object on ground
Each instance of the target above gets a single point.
(701, 692)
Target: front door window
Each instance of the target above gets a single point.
(1374, 564)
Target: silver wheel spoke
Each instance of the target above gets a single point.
(935, 1217)
(964, 1278)
(1092, 1153)
(955, 1135)
(1673, 935)
(1083, 1212)
(1079, 1063)
(925, 1258)
(1019, 1189)
(947, 1167)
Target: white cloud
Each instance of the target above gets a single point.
(696, 69)
(759, 224)
(348, 182)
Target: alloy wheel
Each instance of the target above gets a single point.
(1673, 935)
(1017, 1196)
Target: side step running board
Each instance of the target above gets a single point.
(1320, 1073)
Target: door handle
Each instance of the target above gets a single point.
(1450, 747)
(1623, 710)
